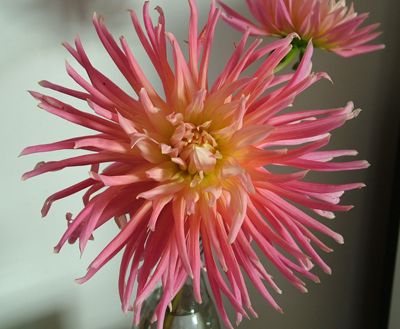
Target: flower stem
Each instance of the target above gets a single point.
(288, 59)
(170, 316)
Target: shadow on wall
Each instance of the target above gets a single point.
(50, 321)
(55, 320)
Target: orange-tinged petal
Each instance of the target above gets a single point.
(247, 136)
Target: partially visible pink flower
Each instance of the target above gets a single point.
(198, 162)
(330, 24)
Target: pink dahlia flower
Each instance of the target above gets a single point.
(198, 163)
(330, 24)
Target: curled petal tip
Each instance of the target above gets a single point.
(43, 83)
(35, 94)
(354, 114)
(80, 280)
(255, 314)
(339, 239)
(293, 35)
(325, 76)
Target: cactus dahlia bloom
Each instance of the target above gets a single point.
(198, 163)
(331, 25)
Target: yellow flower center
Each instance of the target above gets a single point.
(197, 149)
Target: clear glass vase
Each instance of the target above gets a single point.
(186, 313)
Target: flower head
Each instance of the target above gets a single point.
(198, 162)
(330, 24)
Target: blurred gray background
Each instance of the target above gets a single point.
(37, 288)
